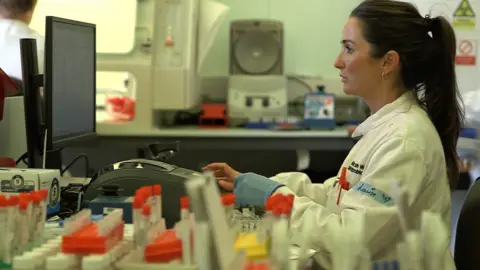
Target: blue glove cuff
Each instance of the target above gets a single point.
(253, 189)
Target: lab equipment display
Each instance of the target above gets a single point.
(319, 111)
(70, 86)
(129, 175)
(177, 56)
(172, 49)
(257, 88)
(256, 47)
(257, 98)
(207, 236)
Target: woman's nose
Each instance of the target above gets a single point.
(339, 62)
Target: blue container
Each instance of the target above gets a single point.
(319, 111)
(103, 205)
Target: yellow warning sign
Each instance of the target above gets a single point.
(464, 16)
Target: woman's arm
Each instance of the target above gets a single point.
(302, 186)
(254, 189)
(396, 160)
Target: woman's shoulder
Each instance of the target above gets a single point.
(415, 127)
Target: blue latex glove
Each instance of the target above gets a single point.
(253, 189)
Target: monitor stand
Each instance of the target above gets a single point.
(53, 160)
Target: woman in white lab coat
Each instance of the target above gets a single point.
(15, 16)
(391, 56)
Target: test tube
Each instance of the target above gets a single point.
(276, 212)
(77, 222)
(246, 219)
(280, 230)
(25, 212)
(43, 210)
(107, 224)
(138, 202)
(228, 201)
(36, 218)
(148, 193)
(284, 243)
(3, 224)
(11, 243)
(157, 193)
(185, 230)
(266, 222)
(184, 208)
(145, 223)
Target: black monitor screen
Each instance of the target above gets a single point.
(70, 80)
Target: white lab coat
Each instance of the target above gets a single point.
(11, 31)
(399, 143)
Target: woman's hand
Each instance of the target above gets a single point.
(224, 174)
(351, 129)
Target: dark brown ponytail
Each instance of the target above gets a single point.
(427, 48)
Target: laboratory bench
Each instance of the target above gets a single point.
(260, 150)
(265, 152)
(196, 138)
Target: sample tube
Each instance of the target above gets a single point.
(228, 201)
(184, 208)
(157, 193)
(184, 228)
(12, 230)
(25, 210)
(3, 224)
(145, 224)
(138, 202)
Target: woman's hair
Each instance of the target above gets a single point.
(12, 8)
(427, 48)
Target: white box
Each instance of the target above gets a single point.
(16, 180)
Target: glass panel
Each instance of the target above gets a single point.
(115, 20)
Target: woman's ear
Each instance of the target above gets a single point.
(391, 61)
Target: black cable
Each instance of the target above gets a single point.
(87, 166)
(22, 158)
(302, 82)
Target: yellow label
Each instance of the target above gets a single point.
(255, 250)
(464, 16)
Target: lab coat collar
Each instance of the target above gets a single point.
(12, 21)
(14, 25)
(401, 104)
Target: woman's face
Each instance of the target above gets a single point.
(360, 73)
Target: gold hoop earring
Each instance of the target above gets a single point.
(384, 76)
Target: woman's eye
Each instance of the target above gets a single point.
(348, 50)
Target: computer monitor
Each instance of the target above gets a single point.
(70, 82)
(65, 113)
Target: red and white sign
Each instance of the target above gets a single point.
(466, 53)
